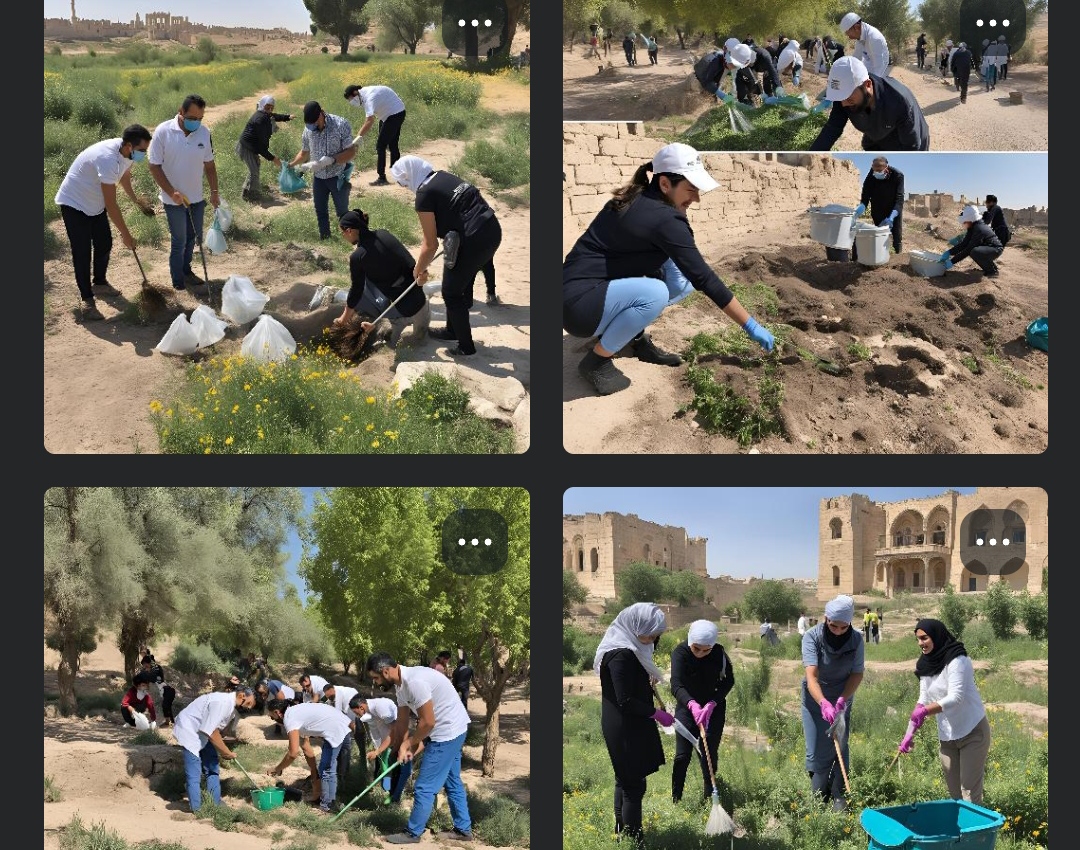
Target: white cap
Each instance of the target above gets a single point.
(730, 43)
(963, 44)
(969, 214)
(740, 55)
(846, 75)
(682, 159)
(986, 41)
(948, 42)
(849, 20)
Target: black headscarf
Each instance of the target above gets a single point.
(946, 648)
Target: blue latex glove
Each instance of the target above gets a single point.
(956, 240)
(779, 91)
(948, 265)
(729, 99)
(892, 217)
(770, 100)
(946, 255)
(859, 210)
(759, 334)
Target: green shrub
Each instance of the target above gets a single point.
(206, 51)
(499, 820)
(1035, 615)
(197, 659)
(980, 639)
(999, 608)
(96, 110)
(52, 793)
(59, 102)
(75, 836)
(955, 612)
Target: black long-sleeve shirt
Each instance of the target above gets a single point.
(978, 234)
(962, 63)
(381, 259)
(708, 679)
(883, 196)
(995, 218)
(763, 64)
(256, 133)
(895, 123)
(455, 203)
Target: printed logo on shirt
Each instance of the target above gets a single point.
(834, 84)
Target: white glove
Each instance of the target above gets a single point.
(153, 724)
(324, 162)
(306, 166)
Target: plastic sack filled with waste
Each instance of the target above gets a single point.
(223, 213)
(1038, 334)
(208, 327)
(240, 300)
(181, 338)
(290, 180)
(268, 340)
(215, 241)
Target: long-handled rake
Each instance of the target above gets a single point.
(202, 251)
(719, 821)
(152, 298)
(362, 793)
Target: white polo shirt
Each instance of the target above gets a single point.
(181, 157)
(315, 719)
(342, 695)
(197, 721)
(380, 101)
(873, 50)
(422, 684)
(383, 713)
(99, 163)
(318, 685)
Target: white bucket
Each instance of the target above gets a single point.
(926, 263)
(831, 225)
(872, 244)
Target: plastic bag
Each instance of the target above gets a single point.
(142, 723)
(345, 175)
(208, 327)
(268, 340)
(215, 239)
(290, 180)
(224, 216)
(180, 338)
(240, 300)
(1038, 334)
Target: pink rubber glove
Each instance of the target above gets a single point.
(841, 704)
(695, 711)
(907, 743)
(662, 717)
(919, 715)
(828, 711)
(706, 714)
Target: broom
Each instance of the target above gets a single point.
(153, 300)
(719, 821)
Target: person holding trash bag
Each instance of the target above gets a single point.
(441, 725)
(883, 190)
(947, 689)
(833, 655)
(884, 110)
(701, 678)
(637, 257)
(379, 714)
(980, 243)
(628, 717)
(137, 700)
(380, 103)
(254, 144)
(198, 730)
(326, 149)
(303, 720)
(180, 153)
(451, 209)
(87, 200)
(381, 262)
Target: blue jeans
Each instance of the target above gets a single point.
(441, 768)
(328, 774)
(196, 767)
(395, 781)
(632, 303)
(183, 236)
(321, 192)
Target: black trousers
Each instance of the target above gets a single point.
(962, 82)
(457, 286)
(628, 797)
(984, 257)
(921, 54)
(168, 695)
(389, 133)
(489, 277)
(746, 84)
(684, 751)
(91, 243)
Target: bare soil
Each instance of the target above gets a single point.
(916, 394)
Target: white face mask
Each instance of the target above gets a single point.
(142, 692)
(365, 717)
(356, 101)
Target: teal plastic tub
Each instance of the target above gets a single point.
(932, 825)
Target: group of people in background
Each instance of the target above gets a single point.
(702, 675)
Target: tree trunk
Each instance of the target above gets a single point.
(66, 671)
(344, 39)
(135, 632)
(491, 734)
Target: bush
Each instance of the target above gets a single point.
(640, 582)
(197, 660)
(1000, 609)
(52, 793)
(206, 50)
(1035, 615)
(59, 103)
(955, 612)
(684, 588)
(776, 600)
(579, 650)
(979, 639)
(96, 110)
(572, 594)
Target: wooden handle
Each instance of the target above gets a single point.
(840, 759)
(708, 758)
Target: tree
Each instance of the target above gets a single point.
(577, 15)
(573, 593)
(939, 19)
(685, 588)
(640, 582)
(342, 19)
(1000, 609)
(777, 600)
(403, 22)
(955, 612)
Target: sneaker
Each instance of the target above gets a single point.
(991, 273)
(458, 351)
(402, 838)
(442, 333)
(455, 834)
(90, 312)
(105, 289)
(647, 352)
(604, 376)
(493, 299)
(382, 181)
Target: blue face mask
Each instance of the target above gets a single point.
(192, 124)
(313, 127)
(138, 156)
(880, 175)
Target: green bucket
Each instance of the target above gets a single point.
(265, 799)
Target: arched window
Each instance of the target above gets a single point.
(938, 537)
(594, 559)
(837, 528)
(581, 560)
(836, 576)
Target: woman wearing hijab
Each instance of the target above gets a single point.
(833, 656)
(947, 688)
(446, 204)
(628, 717)
(701, 678)
(254, 143)
(637, 258)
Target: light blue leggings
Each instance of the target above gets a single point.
(632, 303)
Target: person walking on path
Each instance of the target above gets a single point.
(198, 729)
(962, 64)
(379, 103)
(920, 50)
(461, 679)
(180, 155)
(254, 144)
(948, 691)
(87, 200)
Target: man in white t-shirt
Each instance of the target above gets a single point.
(803, 624)
(338, 696)
(87, 200)
(442, 722)
(382, 103)
(378, 714)
(301, 722)
(312, 687)
(198, 730)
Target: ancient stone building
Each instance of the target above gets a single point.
(596, 547)
(923, 545)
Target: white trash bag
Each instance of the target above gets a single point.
(268, 340)
(240, 300)
(208, 327)
(224, 216)
(180, 338)
(142, 724)
(214, 240)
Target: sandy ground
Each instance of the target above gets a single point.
(913, 396)
(100, 377)
(661, 94)
(92, 763)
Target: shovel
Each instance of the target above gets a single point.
(362, 338)
(362, 793)
(839, 728)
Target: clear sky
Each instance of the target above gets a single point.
(1018, 179)
(264, 14)
(293, 546)
(770, 532)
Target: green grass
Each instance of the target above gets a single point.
(1009, 372)
(712, 131)
(859, 351)
(971, 363)
(505, 162)
(52, 793)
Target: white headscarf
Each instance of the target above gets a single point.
(641, 618)
(410, 171)
(841, 609)
(702, 633)
(266, 99)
